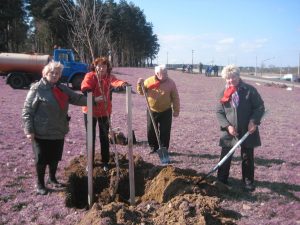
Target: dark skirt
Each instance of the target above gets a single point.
(47, 151)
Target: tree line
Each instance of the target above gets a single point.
(90, 27)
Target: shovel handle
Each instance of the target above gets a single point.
(232, 150)
(151, 116)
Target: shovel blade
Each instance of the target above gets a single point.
(163, 155)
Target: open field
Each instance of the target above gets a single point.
(194, 145)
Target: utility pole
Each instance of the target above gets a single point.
(299, 66)
(167, 59)
(255, 65)
(192, 60)
(262, 63)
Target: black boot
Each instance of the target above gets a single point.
(41, 189)
(52, 174)
(249, 185)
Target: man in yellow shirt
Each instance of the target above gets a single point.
(164, 102)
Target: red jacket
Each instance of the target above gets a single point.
(90, 82)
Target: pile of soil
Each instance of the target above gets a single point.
(164, 194)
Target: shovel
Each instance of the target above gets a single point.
(232, 150)
(162, 151)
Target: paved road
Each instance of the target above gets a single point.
(271, 80)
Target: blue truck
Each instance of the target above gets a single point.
(21, 69)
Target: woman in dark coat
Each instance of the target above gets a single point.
(239, 110)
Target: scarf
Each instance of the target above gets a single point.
(61, 98)
(154, 85)
(230, 93)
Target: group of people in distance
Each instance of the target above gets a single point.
(212, 70)
(46, 121)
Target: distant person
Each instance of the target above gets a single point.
(164, 102)
(200, 68)
(216, 70)
(99, 82)
(208, 71)
(239, 109)
(46, 121)
(190, 68)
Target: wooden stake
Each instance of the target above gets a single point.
(90, 148)
(130, 145)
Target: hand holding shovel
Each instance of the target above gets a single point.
(251, 129)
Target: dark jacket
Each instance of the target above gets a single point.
(251, 107)
(41, 113)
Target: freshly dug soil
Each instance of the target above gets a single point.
(164, 194)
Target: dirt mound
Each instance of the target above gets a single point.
(164, 195)
(276, 85)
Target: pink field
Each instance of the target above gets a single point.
(194, 145)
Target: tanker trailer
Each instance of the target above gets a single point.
(22, 69)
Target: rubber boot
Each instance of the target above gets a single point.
(41, 189)
(52, 174)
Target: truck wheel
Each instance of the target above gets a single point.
(76, 82)
(17, 81)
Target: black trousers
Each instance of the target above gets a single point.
(247, 155)
(47, 151)
(103, 124)
(163, 121)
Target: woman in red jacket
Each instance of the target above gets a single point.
(100, 82)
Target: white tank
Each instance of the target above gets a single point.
(17, 62)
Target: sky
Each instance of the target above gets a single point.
(221, 32)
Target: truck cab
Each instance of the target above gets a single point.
(73, 71)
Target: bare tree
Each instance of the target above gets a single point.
(88, 27)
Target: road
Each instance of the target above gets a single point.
(270, 80)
